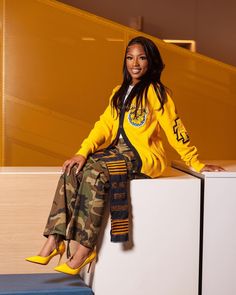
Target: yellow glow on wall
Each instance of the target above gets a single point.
(1, 88)
(61, 64)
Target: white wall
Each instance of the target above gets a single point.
(211, 23)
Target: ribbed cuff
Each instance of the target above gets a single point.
(83, 152)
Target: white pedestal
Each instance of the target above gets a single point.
(163, 255)
(219, 229)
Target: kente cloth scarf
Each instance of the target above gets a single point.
(118, 176)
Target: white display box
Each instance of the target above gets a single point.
(163, 254)
(218, 234)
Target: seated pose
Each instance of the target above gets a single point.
(129, 131)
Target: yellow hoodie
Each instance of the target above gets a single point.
(142, 134)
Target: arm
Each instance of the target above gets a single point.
(97, 136)
(177, 135)
(100, 132)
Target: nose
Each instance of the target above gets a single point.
(135, 62)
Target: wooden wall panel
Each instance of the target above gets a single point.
(26, 196)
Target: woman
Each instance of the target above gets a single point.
(130, 129)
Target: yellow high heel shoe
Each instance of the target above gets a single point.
(44, 260)
(74, 271)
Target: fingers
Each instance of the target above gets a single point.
(220, 169)
(212, 168)
(64, 166)
(217, 168)
(69, 164)
(78, 168)
(80, 164)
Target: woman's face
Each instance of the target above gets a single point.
(136, 62)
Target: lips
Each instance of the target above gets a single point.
(135, 71)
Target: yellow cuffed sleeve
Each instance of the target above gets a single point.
(100, 133)
(177, 135)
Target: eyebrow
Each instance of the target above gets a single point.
(138, 54)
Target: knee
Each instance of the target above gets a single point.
(71, 176)
(95, 174)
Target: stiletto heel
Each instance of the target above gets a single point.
(45, 260)
(65, 268)
(89, 266)
(59, 261)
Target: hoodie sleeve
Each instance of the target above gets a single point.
(100, 132)
(177, 135)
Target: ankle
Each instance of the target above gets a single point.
(48, 247)
(79, 257)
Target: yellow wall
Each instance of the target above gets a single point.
(1, 86)
(60, 67)
(58, 79)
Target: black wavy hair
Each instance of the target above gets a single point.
(152, 76)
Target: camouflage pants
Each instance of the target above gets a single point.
(79, 202)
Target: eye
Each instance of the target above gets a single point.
(143, 57)
(128, 57)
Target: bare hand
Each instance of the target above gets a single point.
(78, 160)
(212, 168)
